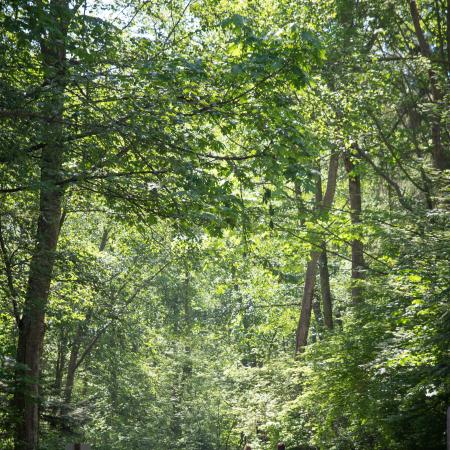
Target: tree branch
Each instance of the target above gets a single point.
(103, 329)
(425, 48)
(388, 179)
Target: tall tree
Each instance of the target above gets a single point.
(31, 324)
(440, 152)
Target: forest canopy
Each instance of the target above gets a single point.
(224, 224)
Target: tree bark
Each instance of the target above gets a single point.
(311, 268)
(31, 325)
(308, 293)
(358, 264)
(325, 290)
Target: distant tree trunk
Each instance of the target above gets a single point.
(72, 365)
(60, 362)
(440, 155)
(113, 387)
(188, 321)
(319, 318)
(354, 189)
(311, 269)
(31, 325)
(448, 45)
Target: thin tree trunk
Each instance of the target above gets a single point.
(448, 36)
(113, 385)
(31, 329)
(72, 365)
(301, 209)
(60, 362)
(311, 269)
(358, 264)
(188, 318)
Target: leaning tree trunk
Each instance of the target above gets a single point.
(324, 275)
(31, 327)
(354, 190)
(311, 269)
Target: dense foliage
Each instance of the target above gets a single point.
(224, 223)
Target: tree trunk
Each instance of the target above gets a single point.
(188, 321)
(72, 365)
(324, 275)
(60, 362)
(31, 328)
(308, 292)
(311, 269)
(448, 38)
(325, 290)
(318, 316)
(358, 264)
